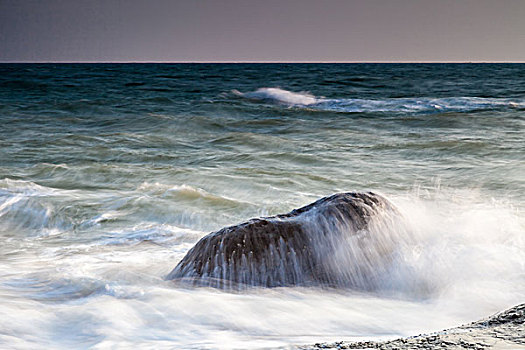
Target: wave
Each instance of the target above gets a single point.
(463, 259)
(188, 193)
(34, 210)
(47, 290)
(159, 234)
(396, 105)
(69, 288)
(280, 95)
(27, 206)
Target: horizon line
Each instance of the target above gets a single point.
(248, 61)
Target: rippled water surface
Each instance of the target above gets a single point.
(110, 173)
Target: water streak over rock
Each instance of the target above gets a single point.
(344, 240)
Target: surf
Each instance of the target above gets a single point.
(425, 105)
(347, 240)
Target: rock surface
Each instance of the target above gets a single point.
(343, 240)
(505, 330)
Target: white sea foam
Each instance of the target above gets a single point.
(466, 251)
(401, 105)
(280, 96)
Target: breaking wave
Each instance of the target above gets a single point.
(433, 249)
(27, 206)
(396, 105)
(280, 95)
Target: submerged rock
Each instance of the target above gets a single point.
(344, 240)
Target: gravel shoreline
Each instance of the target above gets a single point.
(505, 330)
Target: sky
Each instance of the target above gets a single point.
(262, 31)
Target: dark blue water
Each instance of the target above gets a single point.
(109, 173)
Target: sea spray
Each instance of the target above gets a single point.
(347, 240)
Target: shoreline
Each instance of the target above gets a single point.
(504, 330)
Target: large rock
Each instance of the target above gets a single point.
(344, 240)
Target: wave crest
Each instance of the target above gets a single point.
(280, 96)
(396, 105)
(27, 206)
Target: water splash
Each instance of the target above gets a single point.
(345, 240)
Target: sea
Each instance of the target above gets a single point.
(110, 173)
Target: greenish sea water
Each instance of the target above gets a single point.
(109, 173)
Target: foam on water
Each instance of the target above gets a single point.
(105, 186)
(396, 105)
(280, 96)
(26, 206)
(464, 260)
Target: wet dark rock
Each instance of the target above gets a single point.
(515, 315)
(336, 241)
(505, 330)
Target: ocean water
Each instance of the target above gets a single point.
(110, 173)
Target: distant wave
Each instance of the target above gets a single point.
(280, 96)
(399, 105)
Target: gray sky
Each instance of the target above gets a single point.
(264, 30)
